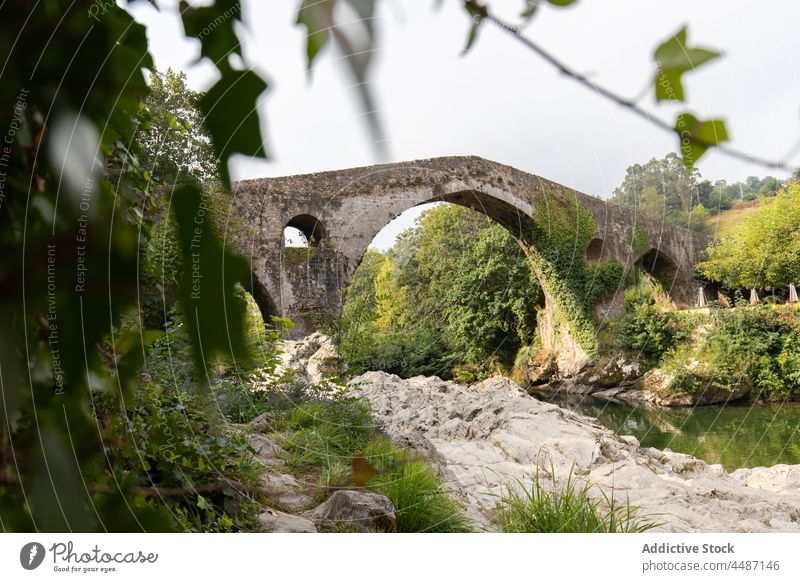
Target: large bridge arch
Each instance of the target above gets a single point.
(344, 210)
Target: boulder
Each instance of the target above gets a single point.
(265, 450)
(666, 390)
(611, 371)
(260, 423)
(310, 361)
(325, 362)
(541, 370)
(778, 478)
(359, 511)
(280, 481)
(293, 501)
(278, 522)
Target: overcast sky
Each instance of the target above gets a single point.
(501, 101)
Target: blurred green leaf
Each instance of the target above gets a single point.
(674, 57)
(317, 17)
(213, 27)
(697, 136)
(231, 116)
(478, 13)
(668, 85)
(214, 314)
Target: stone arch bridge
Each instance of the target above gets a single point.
(340, 212)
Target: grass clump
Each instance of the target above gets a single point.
(569, 509)
(421, 501)
(325, 432)
(338, 438)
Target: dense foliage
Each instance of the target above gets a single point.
(457, 295)
(764, 250)
(87, 383)
(750, 349)
(84, 153)
(456, 291)
(648, 331)
(562, 230)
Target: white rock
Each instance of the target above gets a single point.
(778, 478)
(293, 501)
(265, 450)
(306, 362)
(279, 522)
(280, 481)
(491, 436)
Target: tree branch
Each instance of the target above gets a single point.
(248, 490)
(482, 11)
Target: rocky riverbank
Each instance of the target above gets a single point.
(492, 435)
(619, 378)
(489, 435)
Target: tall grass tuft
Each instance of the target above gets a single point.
(421, 501)
(568, 509)
(321, 433)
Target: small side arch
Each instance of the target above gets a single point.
(311, 228)
(661, 270)
(262, 298)
(597, 252)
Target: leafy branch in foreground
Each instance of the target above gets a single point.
(673, 59)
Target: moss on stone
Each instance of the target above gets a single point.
(640, 242)
(298, 255)
(563, 228)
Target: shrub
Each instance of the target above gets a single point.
(755, 347)
(603, 280)
(174, 439)
(648, 330)
(466, 374)
(176, 435)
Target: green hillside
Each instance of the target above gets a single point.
(723, 223)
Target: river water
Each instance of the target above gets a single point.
(732, 435)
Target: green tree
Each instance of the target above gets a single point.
(764, 250)
(660, 189)
(358, 326)
(697, 217)
(491, 305)
(455, 289)
(718, 199)
(172, 139)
